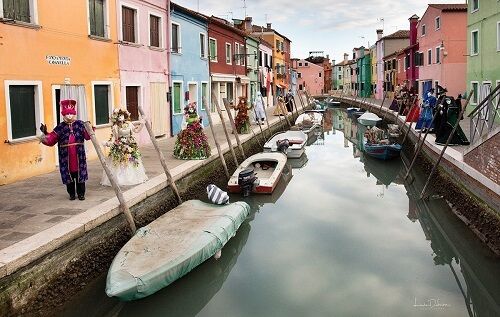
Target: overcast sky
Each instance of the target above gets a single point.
(334, 26)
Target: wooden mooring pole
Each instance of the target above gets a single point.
(406, 120)
(221, 155)
(112, 179)
(233, 126)
(267, 119)
(228, 138)
(382, 104)
(462, 111)
(170, 179)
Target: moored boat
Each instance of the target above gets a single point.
(369, 119)
(382, 151)
(171, 246)
(258, 174)
(290, 142)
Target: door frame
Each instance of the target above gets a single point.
(54, 119)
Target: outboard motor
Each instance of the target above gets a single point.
(246, 179)
(283, 145)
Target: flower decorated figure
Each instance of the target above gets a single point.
(242, 120)
(192, 142)
(124, 156)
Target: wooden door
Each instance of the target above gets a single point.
(159, 109)
(132, 99)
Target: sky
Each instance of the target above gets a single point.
(334, 26)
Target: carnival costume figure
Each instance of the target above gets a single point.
(289, 101)
(449, 117)
(70, 136)
(428, 108)
(242, 120)
(192, 142)
(260, 112)
(124, 157)
(280, 109)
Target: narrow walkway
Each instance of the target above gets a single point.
(32, 206)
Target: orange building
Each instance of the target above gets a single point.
(47, 56)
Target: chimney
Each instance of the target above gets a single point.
(269, 25)
(248, 24)
(346, 57)
(380, 33)
(413, 29)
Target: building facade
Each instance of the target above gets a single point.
(143, 46)
(309, 76)
(364, 77)
(252, 57)
(483, 48)
(189, 64)
(266, 71)
(442, 40)
(71, 55)
(373, 61)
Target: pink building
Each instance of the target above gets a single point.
(443, 44)
(143, 48)
(310, 77)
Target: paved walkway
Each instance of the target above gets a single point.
(36, 204)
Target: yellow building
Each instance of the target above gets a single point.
(53, 50)
(373, 56)
(279, 59)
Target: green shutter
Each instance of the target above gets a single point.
(8, 9)
(17, 10)
(177, 98)
(22, 111)
(203, 95)
(92, 17)
(101, 95)
(96, 13)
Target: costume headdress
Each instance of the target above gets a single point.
(120, 112)
(68, 106)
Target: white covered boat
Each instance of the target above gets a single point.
(369, 119)
(258, 174)
(293, 141)
(308, 122)
(171, 246)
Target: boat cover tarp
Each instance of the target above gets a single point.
(171, 246)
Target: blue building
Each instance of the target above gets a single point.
(188, 64)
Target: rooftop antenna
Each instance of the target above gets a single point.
(383, 22)
(244, 7)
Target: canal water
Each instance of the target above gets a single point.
(342, 235)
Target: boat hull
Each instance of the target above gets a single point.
(297, 139)
(382, 151)
(171, 246)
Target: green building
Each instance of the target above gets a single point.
(483, 48)
(364, 74)
(252, 52)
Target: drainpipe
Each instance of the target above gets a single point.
(169, 68)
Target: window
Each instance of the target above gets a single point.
(261, 58)
(438, 23)
(474, 42)
(97, 17)
(177, 97)
(498, 36)
(423, 29)
(102, 103)
(229, 92)
(132, 101)
(438, 54)
(176, 38)
(24, 108)
(306, 64)
(278, 45)
(236, 53)
(429, 57)
(204, 96)
(266, 60)
(319, 75)
(228, 54)
(128, 25)
(299, 75)
(474, 6)
(475, 92)
(154, 31)
(203, 45)
(300, 64)
(212, 43)
(242, 55)
(19, 10)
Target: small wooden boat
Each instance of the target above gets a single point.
(171, 246)
(309, 122)
(369, 119)
(258, 174)
(294, 140)
(382, 151)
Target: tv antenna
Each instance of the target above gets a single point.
(244, 7)
(383, 22)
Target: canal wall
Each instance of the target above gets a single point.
(43, 278)
(474, 198)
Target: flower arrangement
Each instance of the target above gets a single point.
(123, 149)
(120, 115)
(192, 143)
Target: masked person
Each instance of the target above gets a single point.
(70, 136)
(260, 112)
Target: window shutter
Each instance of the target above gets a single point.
(92, 17)
(177, 98)
(22, 111)
(154, 31)
(8, 9)
(132, 97)
(128, 27)
(175, 38)
(101, 95)
(99, 18)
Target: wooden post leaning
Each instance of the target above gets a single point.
(233, 126)
(112, 179)
(267, 120)
(260, 127)
(462, 111)
(221, 155)
(160, 156)
(382, 104)
(411, 123)
(228, 138)
(301, 102)
(284, 111)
